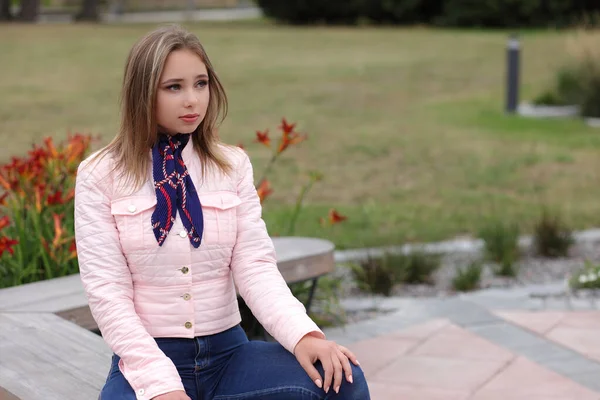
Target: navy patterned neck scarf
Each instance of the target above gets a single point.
(174, 190)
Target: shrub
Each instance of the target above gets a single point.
(415, 267)
(312, 11)
(501, 245)
(587, 278)
(514, 13)
(552, 238)
(468, 278)
(37, 203)
(380, 274)
(374, 275)
(402, 11)
(568, 89)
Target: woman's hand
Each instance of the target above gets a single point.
(333, 357)
(176, 395)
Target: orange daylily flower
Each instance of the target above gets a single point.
(3, 199)
(263, 137)
(264, 190)
(333, 218)
(290, 138)
(50, 146)
(6, 244)
(4, 222)
(72, 249)
(4, 183)
(285, 127)
(58, 230)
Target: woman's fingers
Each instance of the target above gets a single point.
(325, 359)
(310, 369)
(337, 371)
(345, 365)
(349, 354)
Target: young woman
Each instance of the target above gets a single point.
(167, 218)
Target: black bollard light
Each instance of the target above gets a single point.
(513, 51)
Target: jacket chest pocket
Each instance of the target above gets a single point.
(133, 219)
(219, 210)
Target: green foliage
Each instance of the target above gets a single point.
(379, 275)
(501, 245)
(468, 278)
(312, 11)
(374, 275)
(466, 13)
(552, 237)
(587, 278)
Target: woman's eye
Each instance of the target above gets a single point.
(202, 83)
(174, 87)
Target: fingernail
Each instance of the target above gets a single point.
(337, 389)
(357, 362)
(350, 379)
(327, 389)
(318, 383)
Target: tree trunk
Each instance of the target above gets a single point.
(29, 10)
(89, 11)
(5, 14)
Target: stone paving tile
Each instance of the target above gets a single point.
(421, 331)
(439, 372)
(523, 379)
(582, 319)
(375, 354)
(387, 391)
(584, 341)
(454, 342)
(538, 322)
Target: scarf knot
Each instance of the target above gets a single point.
(175, 190)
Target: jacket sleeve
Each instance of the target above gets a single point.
(108, 286)
(255, 271)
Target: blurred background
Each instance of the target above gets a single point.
(425, 119)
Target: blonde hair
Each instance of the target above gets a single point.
(139, 128)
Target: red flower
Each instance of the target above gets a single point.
(7, 244)
(290, 138)
(264, 190)
(285, 127)
(58, 230)
(333, 218)
(263, 137)
(73, 249)
(4, 222)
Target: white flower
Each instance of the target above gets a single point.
(592, 277)
(583, 278)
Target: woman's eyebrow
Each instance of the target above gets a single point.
(176, 80)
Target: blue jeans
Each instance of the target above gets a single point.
(227, 366)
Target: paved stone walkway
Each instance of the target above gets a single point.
(474, 347)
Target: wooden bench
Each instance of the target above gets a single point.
(48, 348)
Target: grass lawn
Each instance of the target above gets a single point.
(406, 124)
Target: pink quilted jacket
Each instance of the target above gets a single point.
(138, 290)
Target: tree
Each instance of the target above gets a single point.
(89, 11)
(5, 14)
(29, 10)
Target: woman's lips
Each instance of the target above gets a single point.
(189, 118)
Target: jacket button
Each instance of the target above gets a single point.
(187, 296)
(183, 234)
(141, 392)
(185, 270)
(188, 325)
(132, 208)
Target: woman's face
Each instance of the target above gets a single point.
(183, 93)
